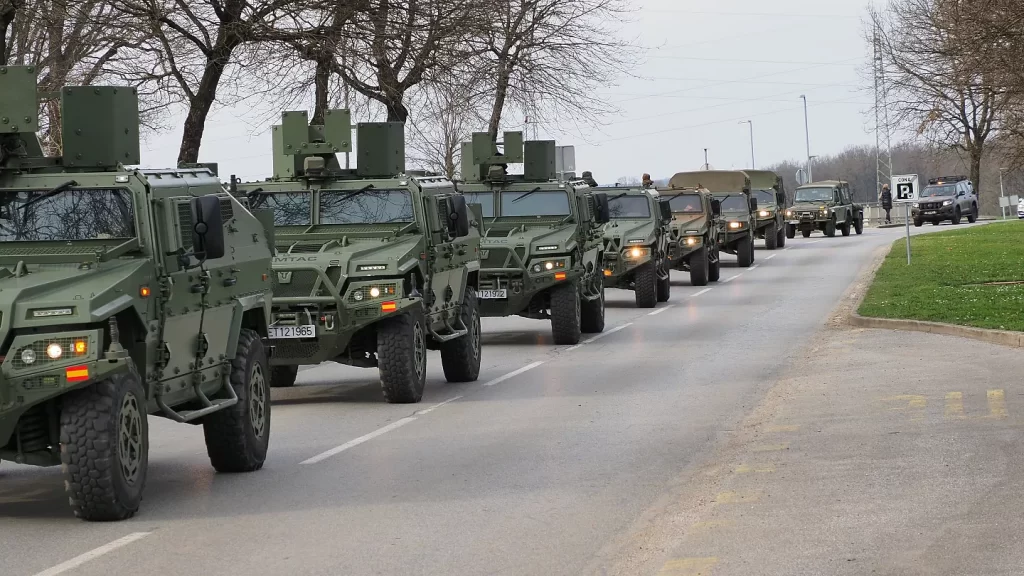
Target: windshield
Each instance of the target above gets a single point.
(765, 197)
(814, 195)
(290, 208)
(938, 191)
(733, 202)
(539, 203)
(484, 199)
(32, 215)
(630, 207)
(687, 204)
(369, 206)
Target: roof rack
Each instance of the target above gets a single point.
(947, 179)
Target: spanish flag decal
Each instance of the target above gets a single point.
(77, 373)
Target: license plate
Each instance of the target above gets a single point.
(291, 332)
(493, 294)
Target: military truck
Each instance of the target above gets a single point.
(825, 206)
(123, 293)
(374, 267)
(738, 208)
(694, 231)
(770, 193)
(543, 248)
(636, 245)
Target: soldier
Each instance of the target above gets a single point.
(647, 182)
(886, 199)
(589, 179)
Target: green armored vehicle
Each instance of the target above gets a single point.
(770, 193)
(636, 245)
(374, 267)
(543, 249)
(694, 231)
(738, 206)
(123, 293)
(825, 206)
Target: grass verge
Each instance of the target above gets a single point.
(949, 279)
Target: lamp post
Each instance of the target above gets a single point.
(807, 132)
(751, 123)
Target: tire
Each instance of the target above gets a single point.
(745, 252)
(830, 228)
(846, 227)
(956, 216)
(104, 448)
(936, 222)
(806, 233)
(790, 231)
(237, 437)
(858, 225)
(646, 289)
(592, 312)
(460, 358)
(771, 237)
(283, 376)
(566, 322)
(700, 268)
(780, 239)
(402, 357)
(665, 287)
(918, 223)
(715, 267)
(973, 216)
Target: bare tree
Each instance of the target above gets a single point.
(447, 115)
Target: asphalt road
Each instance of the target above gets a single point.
(544, 466)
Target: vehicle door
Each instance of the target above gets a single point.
(840, 208)
(963, 199)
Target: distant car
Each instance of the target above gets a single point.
(1020, 208)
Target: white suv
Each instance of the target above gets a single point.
(1020, 208)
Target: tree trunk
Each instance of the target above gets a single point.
(500, 95)
(397, 112)
(7, 14)
(975, 164)
(201, 102)
(321, 82)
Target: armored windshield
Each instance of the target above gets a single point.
(484, 199)
(290, 208)
(687, 204)
(814, 195)
(733, 202)
(535, 203)
(931, 191)
(630, 207)
(765, 197)
(42, 215)
(366, 206)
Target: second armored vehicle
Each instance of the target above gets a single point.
(374, 267)
(636, 245)
(767, 188)
(738, 207)
(694, 231)
(825, 206)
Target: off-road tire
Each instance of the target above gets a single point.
(806, 233)
(780, 238)
(918, 223)
(745, 252)
(715, 268)
(460, 358)
(283, 376)
(771, 237)
(845, 228)
(566, 315)
(973, 216)
(858, 224)
(790, 231)
(237, 437)
(592, 311)
(402, 357)
(646, 286)
(665, 287)
(700, 267)
(104, 448)
(830, 228)
(956, 216)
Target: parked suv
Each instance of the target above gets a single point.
(947, 198)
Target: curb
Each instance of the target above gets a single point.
(1000, 337)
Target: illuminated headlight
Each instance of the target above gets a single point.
(735, 225)
(824, 209)
(916, 205)
(947, 203)
(358, 295)
(374, 292)
(692, 241)
(764, 214)
(548, 266)
(789, 213)
(636, 252)
(546, 248)
(54, 351)
(28, 356)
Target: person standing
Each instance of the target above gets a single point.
(589, 179)
(886, 199)
(647, 182)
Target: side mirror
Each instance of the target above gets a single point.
(604, 213)
(458, 216)
(716, 207)
(666, 210)
(753, 204)
(207, 228)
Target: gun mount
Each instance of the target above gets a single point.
(482, 162)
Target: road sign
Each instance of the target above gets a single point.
(801, 177)
(1014, 199)
(905, 188)
(565, 158)
(1004, 202)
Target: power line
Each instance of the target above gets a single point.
(752, 14)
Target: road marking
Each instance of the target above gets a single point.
(736, 497)
(93, 554)
(605, 333)
(436, 406)
(704, 291)
(784, 428)
(996, 404)
(353, 443)
(955, 405)
(733, 278)
(754, 267)
(770, 257)
(914, 403)
(688, 567)
(513, 373)
(760, 468)
(816, 241)
(660, 310)
(772, 447)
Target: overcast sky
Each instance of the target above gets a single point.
(716, 64)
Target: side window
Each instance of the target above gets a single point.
(835, 195)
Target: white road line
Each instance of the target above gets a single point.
(816, 241)
(754, 267)
(365, 438)
(704, 291)
(513, 373)
(606, 333)
(770, 257)
(93, 554)
(733, 278)
(435, 406)
(660, 310)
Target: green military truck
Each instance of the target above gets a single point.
(543, 248)
(825, 206)
(636, 245)
(770, 193)
(694, 231)
(123, 293)
(374, 267)
(738, 207)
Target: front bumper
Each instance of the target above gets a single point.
(520, 288)
(942, 213)
(619, 269)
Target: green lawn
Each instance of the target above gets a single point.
(943, 282)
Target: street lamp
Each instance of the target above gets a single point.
(1002, 195)
(751, 122)
(807, 132)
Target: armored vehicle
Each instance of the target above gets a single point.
(947, 198)
(123, 293)
(825, 206)
(543, 248)
(738, 207)
(694, 231)
(636, 245)
(374, 267)
(769, 191)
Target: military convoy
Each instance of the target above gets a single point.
(542, 251)
(636, 245)
(826, 206)
(738, 208)
(694, 231)
(770, 193)
(374, 267)
(123, 294)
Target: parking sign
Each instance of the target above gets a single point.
(905, 188)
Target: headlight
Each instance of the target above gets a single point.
(916, 205)
(947, 203)
(54, 351)
(548, 266)
(374, 292)
(636, 252)
(692, 241)
(735, 225)
(358, 295)
(789, 213)
(764, 214)
(28, 356)
(824, 209)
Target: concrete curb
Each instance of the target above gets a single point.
(1000, 337)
